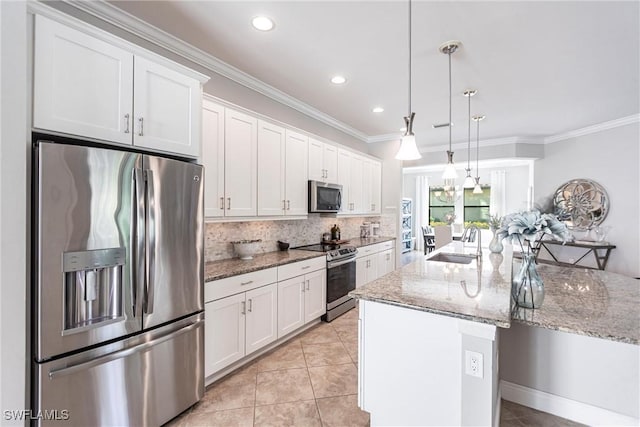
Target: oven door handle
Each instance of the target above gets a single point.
(333, 264)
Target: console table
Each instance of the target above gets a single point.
(600, 250)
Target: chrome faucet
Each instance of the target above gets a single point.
(468, 233)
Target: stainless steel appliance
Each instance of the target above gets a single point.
(324, 197)
(341, 277)
(118, 275)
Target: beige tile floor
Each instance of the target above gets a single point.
(310, 380)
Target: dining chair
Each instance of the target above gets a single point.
(429, 239)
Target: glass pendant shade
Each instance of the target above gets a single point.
(468, 181)
(408, 148)
(450, 173)
(477, 189)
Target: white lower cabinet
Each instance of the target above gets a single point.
(238, 325)
(374, 261)
(301, 299)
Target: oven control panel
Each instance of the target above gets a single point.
(343, 252)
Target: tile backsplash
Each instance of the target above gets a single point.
(219, 235)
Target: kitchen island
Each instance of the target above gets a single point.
(436, 326)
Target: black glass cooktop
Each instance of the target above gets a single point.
(322, 247)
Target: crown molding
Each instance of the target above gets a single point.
(624, 121)
(125, 21)
(384, 138)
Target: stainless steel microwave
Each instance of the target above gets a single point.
(324, 197)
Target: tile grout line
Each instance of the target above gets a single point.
(315, 400)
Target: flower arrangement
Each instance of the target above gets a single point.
(495, 221)
(531, 226)
(450, 218)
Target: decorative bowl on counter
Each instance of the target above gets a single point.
(246, 249)
(283, 246)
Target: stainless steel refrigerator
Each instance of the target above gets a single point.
(117, 315)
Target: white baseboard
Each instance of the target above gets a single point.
(563, 407)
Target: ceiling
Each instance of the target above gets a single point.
(540, 68)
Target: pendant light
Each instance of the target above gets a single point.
(450, 175)
(408, 148)
(477, 189)
(468, 181)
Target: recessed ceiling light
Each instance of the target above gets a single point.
(338, 80)
(262, 23)
(378, 110)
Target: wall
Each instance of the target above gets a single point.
(589, 370)
(219, 235)
(14, 213)
(610, 158)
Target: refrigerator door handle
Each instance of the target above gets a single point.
(151, 244)
(137, 235)
(83, 366)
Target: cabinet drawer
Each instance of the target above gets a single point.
(294, 269)
(385, 245)
(244, 282)
(366, 251)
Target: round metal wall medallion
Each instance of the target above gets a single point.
(581, 203)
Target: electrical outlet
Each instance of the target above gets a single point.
(473, 364)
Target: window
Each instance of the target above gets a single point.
(438, 210)
(476, 207)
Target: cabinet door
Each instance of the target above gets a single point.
(167, 108)
(386, 262)
(213, 158)
(261, 318)
(372, 268)
(315, 295)
(240, 164)
(367, 205)
(316, 163)
(356, 187)
(271, 169)
(344, 179)
(290, 305)
(376, 187)
(224, 335)
(330, 159)
(362, 268)
(82, 85)
(296, 187)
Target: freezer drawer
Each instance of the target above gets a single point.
(148, 380)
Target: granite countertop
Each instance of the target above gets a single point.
(359, 242)
(479, 291)
(216, 270)
(587, 302)
(577, 300)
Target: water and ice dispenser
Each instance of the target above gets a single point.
(93, 287)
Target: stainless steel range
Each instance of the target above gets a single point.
(341, 277)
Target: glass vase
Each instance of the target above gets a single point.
(495, 246)
(527, 287)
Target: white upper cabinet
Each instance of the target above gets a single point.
(82, 85)
(357, 186)
(271, 169)
(372, 183)
(213, 158)
(91, 84)
(240, 164)
(296, 187)
(282, 171)
(166, 108)
(344, 179)
(376, 187)
(366, 204)
(323, 161)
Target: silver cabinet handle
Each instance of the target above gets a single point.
(228, 203)
(246, 283)
(306, 267)
(250, 305)
(126, 118)
(141, 123)
(222, 203)
(244, 308)
(307, 284)
(284, 205)
(288, 205)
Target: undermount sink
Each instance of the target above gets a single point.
(454, 258)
